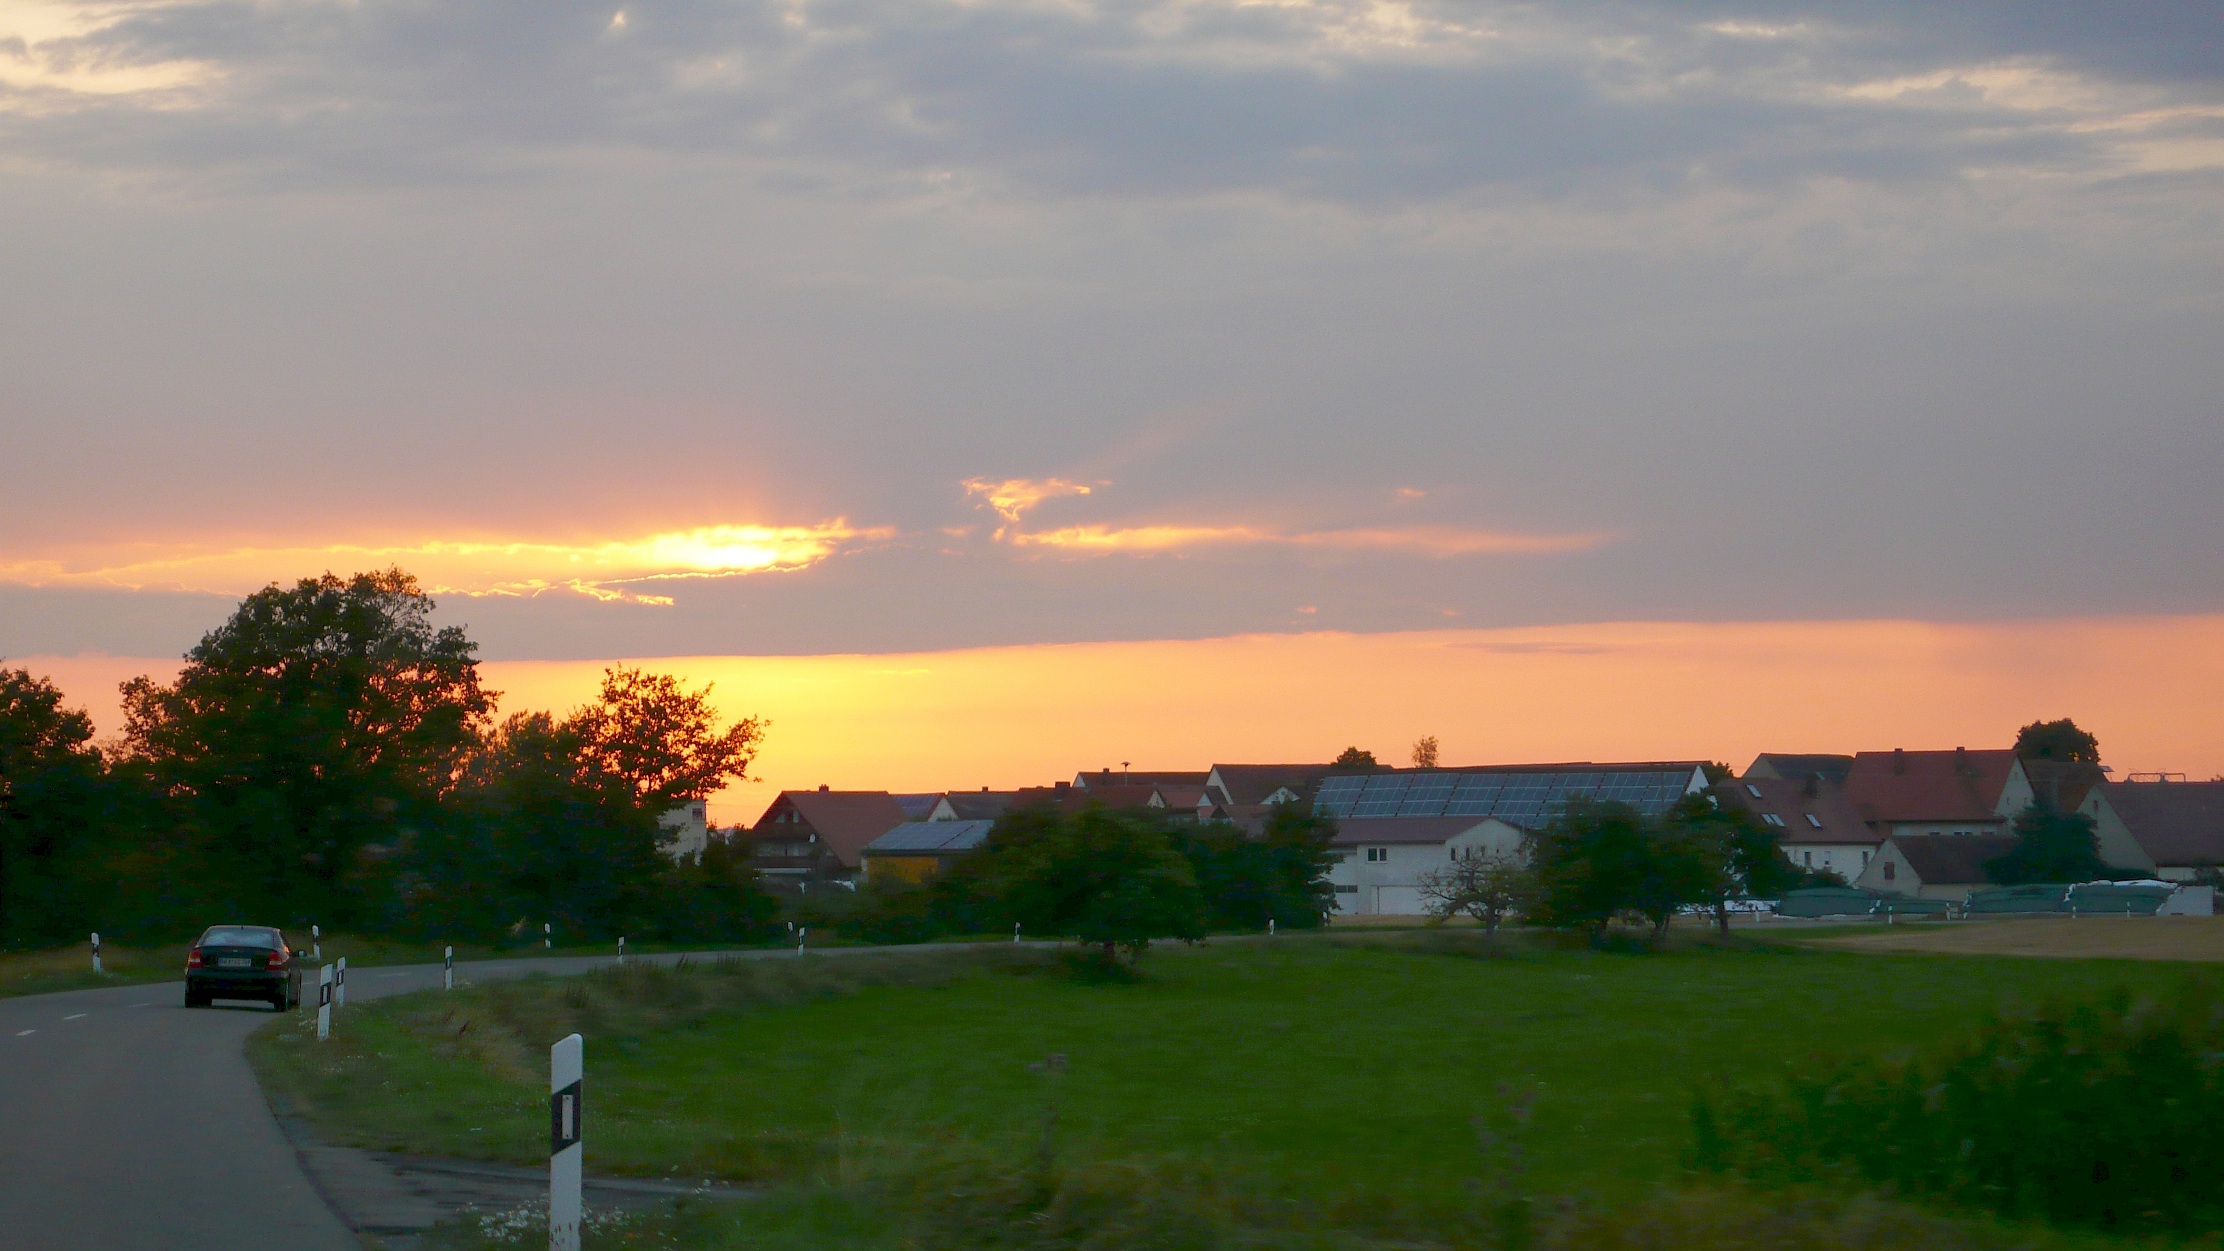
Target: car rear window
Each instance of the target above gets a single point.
(239, 936)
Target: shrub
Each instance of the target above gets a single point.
(2104, 1113)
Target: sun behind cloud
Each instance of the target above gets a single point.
(617, 570)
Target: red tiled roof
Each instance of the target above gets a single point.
(844, 820)
(1958, 785)
(1833, 819)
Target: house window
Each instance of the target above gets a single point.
(1814, 820)
(1888, 870)
(1752, 790)
(1772, 819)
(1807, 858)
(1376, 855)
(1342, 889)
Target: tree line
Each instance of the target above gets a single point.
(327, 755)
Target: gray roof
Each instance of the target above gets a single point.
(1787, 766)
(917, 806)
(931, 837)
(1952, 859)
(2175, 823)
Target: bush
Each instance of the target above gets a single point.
(2107, 1113)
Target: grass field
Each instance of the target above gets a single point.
(1355, 1071)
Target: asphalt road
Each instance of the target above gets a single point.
(129, 1123)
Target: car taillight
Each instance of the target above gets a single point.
(277, 959)
(193, 958)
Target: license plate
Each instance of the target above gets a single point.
(240, 962)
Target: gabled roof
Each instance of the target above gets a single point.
(1958, 785)
(844, 820)
(1952, 859)
(2175, 823)
(922, 838)
(1139, 777)
(1376, 831)
(1526, 796)
(917, 806)
(980, 805)
(1799, 766)
(1813, 811)
(1252, 783)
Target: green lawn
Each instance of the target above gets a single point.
(1330, 1067)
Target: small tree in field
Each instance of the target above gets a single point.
(1486, 887)
(1595, 860)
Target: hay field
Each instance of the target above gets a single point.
(2059, 937)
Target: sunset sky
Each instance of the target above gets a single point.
(988, 390)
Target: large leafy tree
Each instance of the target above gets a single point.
(1111, 879)
(1744, 854)
(321, 719)
(2051, 846)
(2057, 740)
(1281, 875)
(662, 739)
(1355, 760)
(53, 812)
(1595, 860)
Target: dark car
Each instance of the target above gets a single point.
(242, 962)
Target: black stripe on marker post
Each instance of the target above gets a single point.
(567, 1117)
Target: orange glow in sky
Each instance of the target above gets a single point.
(1010, 716)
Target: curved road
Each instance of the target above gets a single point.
(128, 1123)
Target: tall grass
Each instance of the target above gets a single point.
(2104, 1112)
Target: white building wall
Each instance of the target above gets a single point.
(1847, 860)
(1391, 885)
(690, 822)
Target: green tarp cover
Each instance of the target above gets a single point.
(2032, 898)
(1827, 901)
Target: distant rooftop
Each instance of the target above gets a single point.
(1521, 795)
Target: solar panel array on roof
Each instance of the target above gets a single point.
(1522, 799)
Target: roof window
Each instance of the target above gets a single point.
(1814, 820)
(1752, 790)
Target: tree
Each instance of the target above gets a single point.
(2051, 846)
(1486, 887)
(53, 812)
(1353, 759)
(1597, 859)
(1748, 858)
(318, 721)
(1281, 875)
(1424, 753)
(663, 739)
(2057, 740)
(1110, 879)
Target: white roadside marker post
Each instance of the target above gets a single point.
(621, 949)
(799, 933)
(448, 969)
(1015, 931)
(340, 984)
(316, 944)
(1270, 927)
(97, 970)
(566, 1140)
(324, 1003)
(548, 936)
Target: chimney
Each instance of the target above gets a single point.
(984, 790)
(1899, 760)
(1961, 761)
(822, 788)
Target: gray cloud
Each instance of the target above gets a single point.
(1341, 101)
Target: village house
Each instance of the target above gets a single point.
(1814, 823)
(1934, 866)
(1395, 826)
(687, 825)
(918, 851)
(806, 838)
(2170, 830)
(1902, 792)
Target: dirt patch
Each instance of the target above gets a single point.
(2059, 937)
